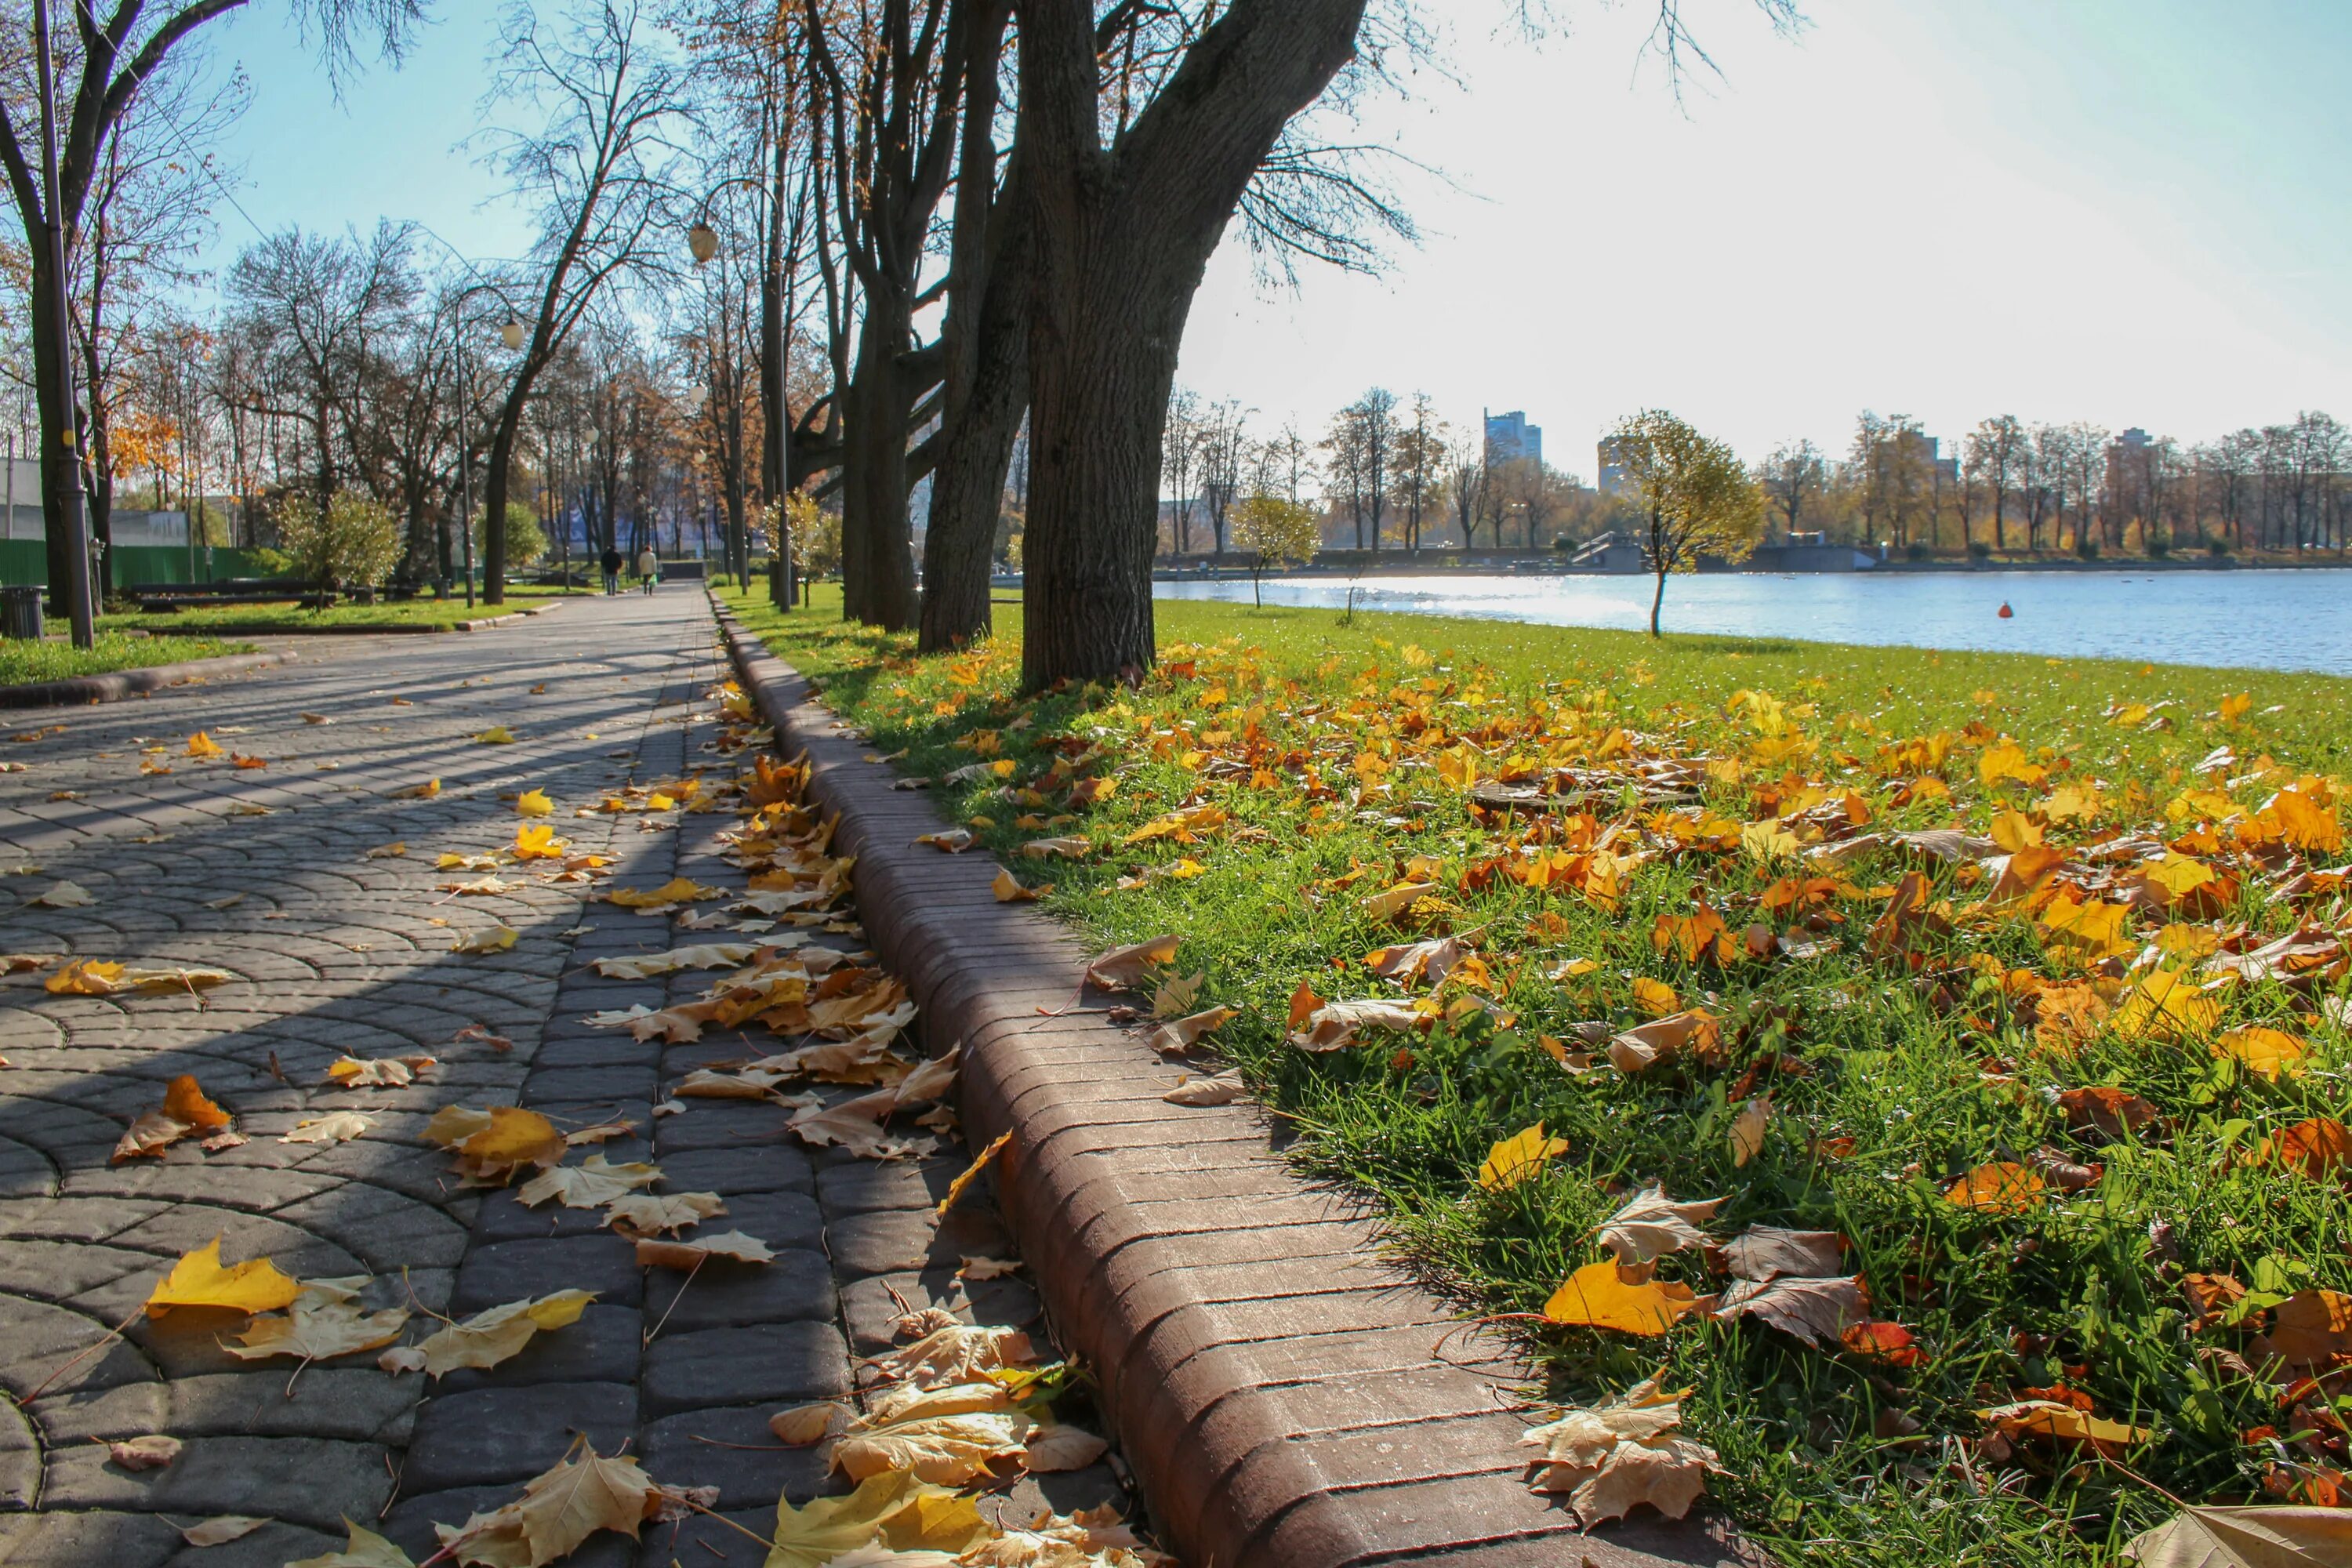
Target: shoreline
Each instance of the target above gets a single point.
(1534, 564)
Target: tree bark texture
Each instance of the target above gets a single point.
(1121, 236)
(986, 360)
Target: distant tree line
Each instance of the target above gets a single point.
(1388, 475)
(2012, 487)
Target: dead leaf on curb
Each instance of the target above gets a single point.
(1610, 1459)
(151, 1452)
(221, 1530)
(731, 1245)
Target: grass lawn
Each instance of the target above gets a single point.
(269, 616)
(22, 662)
(2074, 1117)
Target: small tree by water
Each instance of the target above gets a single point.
(1270, 529)
(1694, 497)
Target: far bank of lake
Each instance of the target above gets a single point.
(2252, 617)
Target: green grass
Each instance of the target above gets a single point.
(23, 662)
(273, 614)
(1921, 1055)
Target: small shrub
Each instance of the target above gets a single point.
(2218, 548)
(1979, 549)
(2158, 546)
(1916, 550)
(352, 540)
(2088, 549)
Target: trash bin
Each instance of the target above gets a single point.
(20, 614)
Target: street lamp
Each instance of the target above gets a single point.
(702, 241)
(510, 333)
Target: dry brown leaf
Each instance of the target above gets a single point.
(585, 1493)
(1652, 1224)
(1179, 1035)
(2246, 1538)
(592, 1183)
(1764, 1252)
(365, 1549)
(1812, 1309)
(1748, 1128)
(955, 1353)
(806, 1424)
(1612, 1458)
(1334, 1025)
(1218, 1089)
(1124, 968)
(490, 1336)
(151, 1452)
(220, 1530)
(648, 1213)
(1695, 1032)
(322, 1323)
(335, 1127)
(378, 1072)
(731, 1245)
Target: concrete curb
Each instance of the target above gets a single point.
(113, 687)
(1286, 1396)
(393, 629)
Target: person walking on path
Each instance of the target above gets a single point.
(649, 567)
(610, 562)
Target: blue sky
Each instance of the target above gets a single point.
(2136, 211)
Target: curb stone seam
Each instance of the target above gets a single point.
(1256, 1439)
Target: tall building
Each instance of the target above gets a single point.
(1613, 470)
(1511, 439)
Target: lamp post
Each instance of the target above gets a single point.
(510, 333)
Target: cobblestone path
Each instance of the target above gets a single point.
(338, 953)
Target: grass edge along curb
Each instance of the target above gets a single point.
(77, 690)
(1286, 1397)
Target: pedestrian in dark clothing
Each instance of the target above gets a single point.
(610, 562)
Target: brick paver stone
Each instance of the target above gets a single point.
(265, 872)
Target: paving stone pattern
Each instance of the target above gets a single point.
(339, 953)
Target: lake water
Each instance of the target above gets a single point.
(2258, 619)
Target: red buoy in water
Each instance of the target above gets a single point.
(2006, 613)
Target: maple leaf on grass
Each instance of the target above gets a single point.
(1610, 1459)
(585, 1493)
(1334, 1025)
(2047, 1420)
(1520, 1158)
(1764, 1252)
(2246, 1538)
(1812, 1309)
(1609, 1295)
(1651, 1225)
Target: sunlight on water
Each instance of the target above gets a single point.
(2269, 620)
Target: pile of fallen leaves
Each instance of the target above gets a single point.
(954, 1412)
(1962, 1111)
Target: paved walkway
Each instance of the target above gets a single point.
(338, 953)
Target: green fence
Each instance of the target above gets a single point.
(25, 560)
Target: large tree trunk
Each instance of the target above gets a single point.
(985, 363)
(877, 561)
(60, 473)
(1121, 238)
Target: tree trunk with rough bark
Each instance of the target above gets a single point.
(877, 556)
(1121, 236)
